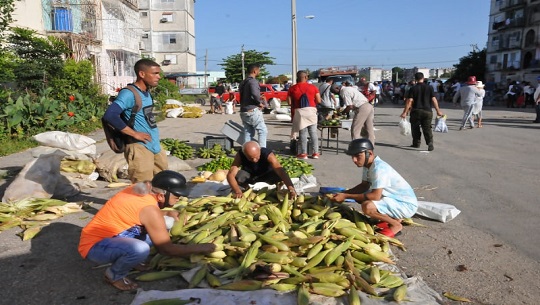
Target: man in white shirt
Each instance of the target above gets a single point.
(435, 85)
(363, 111)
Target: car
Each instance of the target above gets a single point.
(339, 79)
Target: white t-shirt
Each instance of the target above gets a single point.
(435, 86)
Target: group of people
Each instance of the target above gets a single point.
(132, 221)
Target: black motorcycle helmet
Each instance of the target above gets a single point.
(171, 182)
(360, 145)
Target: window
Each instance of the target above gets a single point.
(169, 38)
(144, 14)
(171, 59)
(144, 36)
(166, 17)
(493, 59)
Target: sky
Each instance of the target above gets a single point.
(365, 33)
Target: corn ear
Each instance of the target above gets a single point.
(303, 295)
(400, 293)
(158, 275)
(244, 285)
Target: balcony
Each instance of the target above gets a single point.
(508, 24)
(506, 5)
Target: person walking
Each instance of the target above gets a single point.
(468, 95)
(419, 101)
(304, 115)
(537, 101)
(123, 230)
(143, 154)
(364, 113)
(251, 105)
(477, 107)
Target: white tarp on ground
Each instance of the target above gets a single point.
(418, 293)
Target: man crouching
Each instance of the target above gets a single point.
(383, 193)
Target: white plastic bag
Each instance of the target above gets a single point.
(65, 140)
(175, 112)
(439, 211)
(405, 127)
(440, 124)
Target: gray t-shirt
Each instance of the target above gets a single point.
(326, 99)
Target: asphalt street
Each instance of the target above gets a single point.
(491, 174)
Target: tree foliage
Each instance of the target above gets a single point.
(233, 64)
(6, 9)
(281, 79)
(39, 59)
(472, 64)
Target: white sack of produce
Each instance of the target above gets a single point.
(178, 165)
(40, 178)
(69, 154)
(173, 102)
(283, 117)
(70, 141)
(175, 112)
(111, 166)
(439, 211)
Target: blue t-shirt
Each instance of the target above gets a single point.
(144, 119)
(382, 176)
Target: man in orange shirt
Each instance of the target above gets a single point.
(305, 116)
(125, 228)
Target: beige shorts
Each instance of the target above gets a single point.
(144, 164)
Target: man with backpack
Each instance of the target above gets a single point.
(142, 150)
(303, 98)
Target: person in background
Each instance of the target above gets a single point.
(255, 164)
(490, 88)
(143, 154)
(124, 229)
(418, 102)
(377, 87)
(230, 104)
(364, 112)
(328, 100)
(383, 193)
(304, 116)
(477, 107)
(251, 106)
(528, 91)
(467, 95)
(537, 100)
(512, 94)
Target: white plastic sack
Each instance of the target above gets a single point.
(65, 140)
(175, 112)
(274, 103)
(405, 127)
(173, 102)
(440, 124)
(438, 211)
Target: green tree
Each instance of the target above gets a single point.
(233, 64)
(397, 71)
(281, 79)
(39, 59)
(472, 64)
(75, 77)
(6, 9)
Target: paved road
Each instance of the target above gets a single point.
(490, 174)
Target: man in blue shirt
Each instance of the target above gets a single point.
(143, 154)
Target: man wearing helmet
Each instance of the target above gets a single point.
(125, 228)
(384, 194)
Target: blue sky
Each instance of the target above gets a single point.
(366, 33)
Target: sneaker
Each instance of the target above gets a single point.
(302, 156)
(316, 156)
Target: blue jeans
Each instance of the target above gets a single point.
(312, 129)
(123, 252)
(254, 121)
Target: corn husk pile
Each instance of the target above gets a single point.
(77, 166)
(311, 245)
(192, 112)
(32, 214)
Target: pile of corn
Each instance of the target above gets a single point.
(192, 112)
(265, 240)
(33, 214)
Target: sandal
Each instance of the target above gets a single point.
(142, 267)
(123, 284)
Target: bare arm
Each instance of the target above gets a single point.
(317, 98)
(282, 174)
(152, 219)
(231, 176)
(436, 106)
(407, 108)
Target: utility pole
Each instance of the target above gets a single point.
(243, 70)
(205, 69)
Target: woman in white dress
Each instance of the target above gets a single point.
(477, 108)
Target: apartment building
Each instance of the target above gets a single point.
(168, 35)
(513, 50)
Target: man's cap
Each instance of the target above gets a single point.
(471, 80)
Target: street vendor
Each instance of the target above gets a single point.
(123, 231)
(384, 194)
(258, 164)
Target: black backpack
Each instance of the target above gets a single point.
(115, 138)
(304, 101)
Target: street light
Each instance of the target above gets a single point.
(294, 40)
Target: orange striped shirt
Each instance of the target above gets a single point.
(120, 213)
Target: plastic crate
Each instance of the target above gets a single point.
(233, 131)
(225, 142)
(296, 146)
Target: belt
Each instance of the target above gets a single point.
(250, 110)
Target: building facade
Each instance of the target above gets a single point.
(168, 35)
(513, 50)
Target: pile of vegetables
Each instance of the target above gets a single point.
(294, 166)
(218, 163)
(266, 241)
(178, 148)
(215, 152)
(192, 112)
(332, 122)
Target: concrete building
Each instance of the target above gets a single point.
(513, 50)
(408, 74)
(168, 36)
